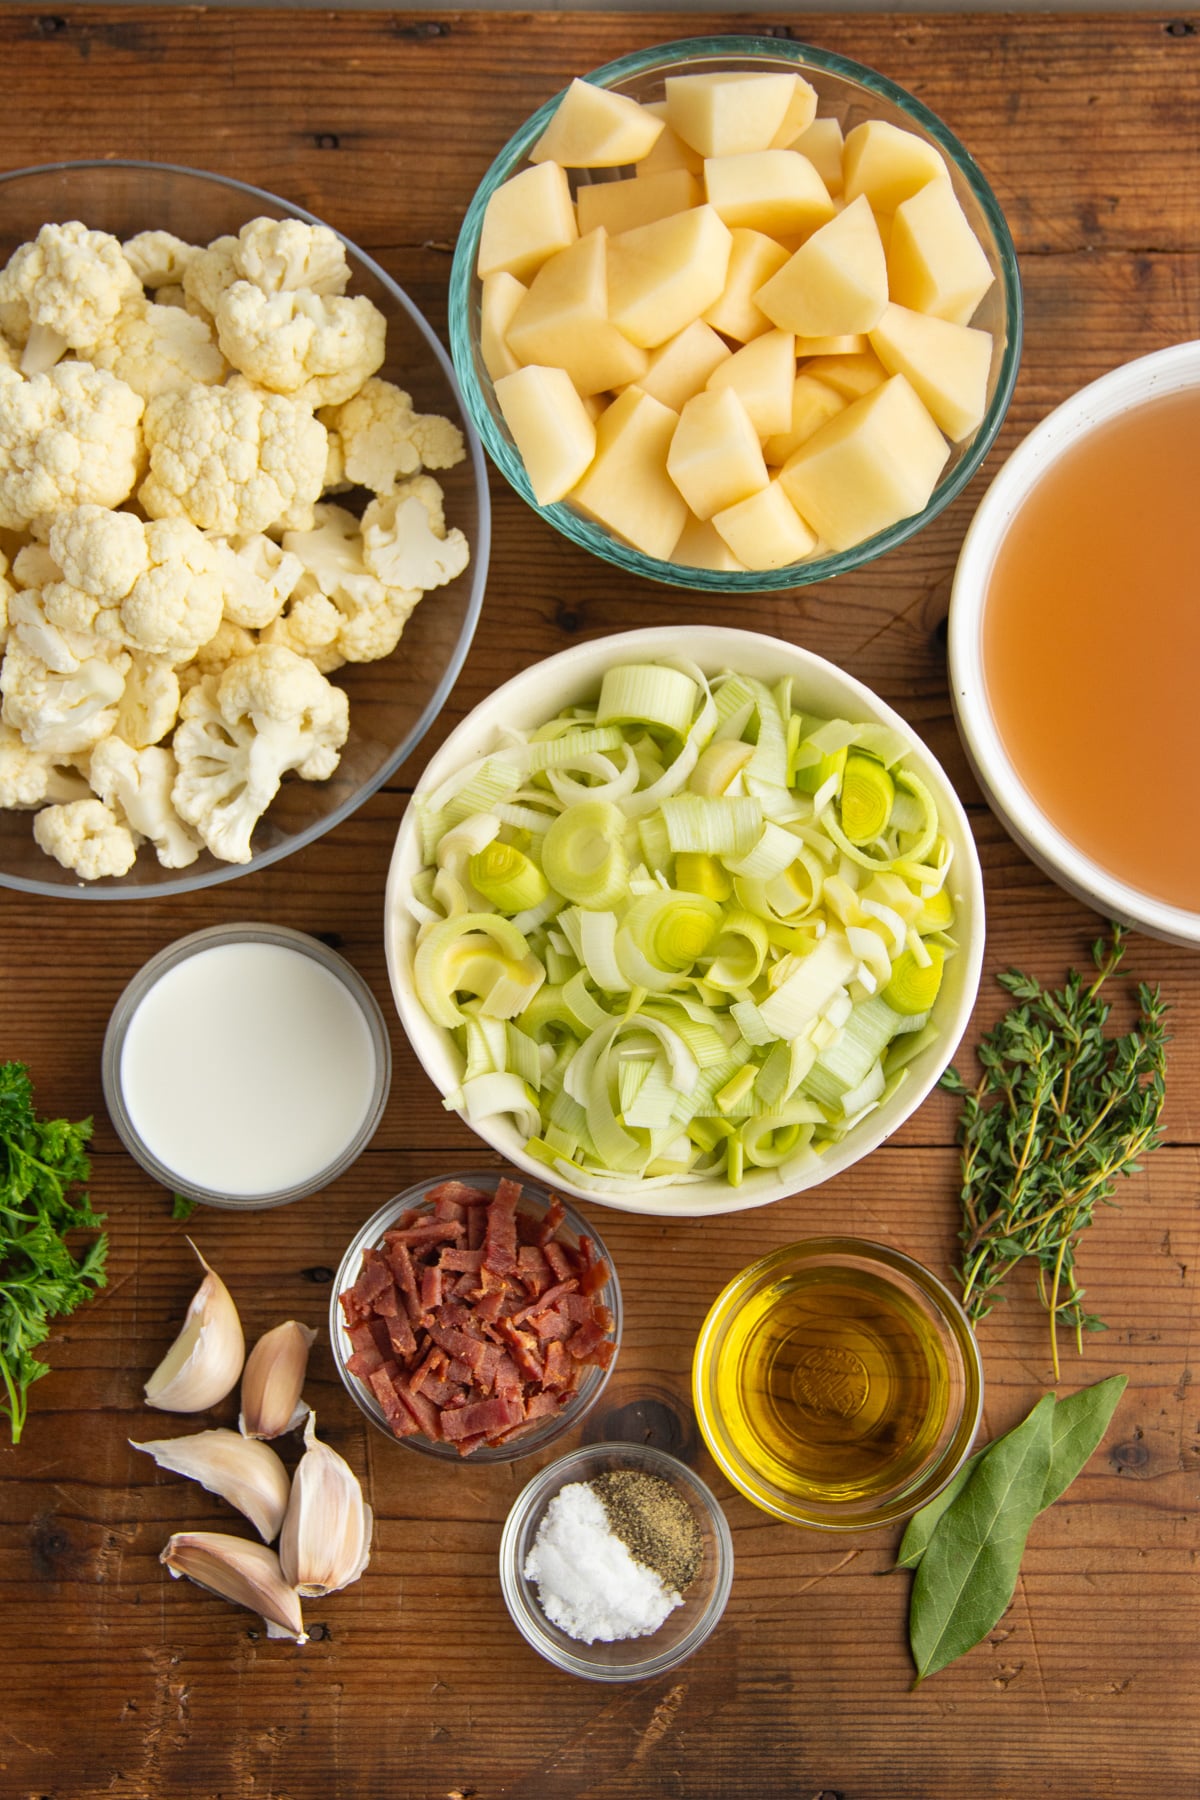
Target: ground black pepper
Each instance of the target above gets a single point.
(654, 1522)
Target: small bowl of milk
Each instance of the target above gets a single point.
(246, 1065)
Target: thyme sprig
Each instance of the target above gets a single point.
(1059, 1113)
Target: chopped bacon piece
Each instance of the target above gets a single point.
(397, 1416)
(431, 1288)
(552, 1324)
(546, 1300)
(533, 1271)
(558, 1259)
(551, 1220)
(469, 1261)
(500, 1242)
(523, 1350)
(364, 1362)
(485, 1418)
(429, 1231)
(400, 1335)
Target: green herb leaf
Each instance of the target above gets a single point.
(1078, 1423)
(182, 1207)
(921, 1526)
(967, 1576)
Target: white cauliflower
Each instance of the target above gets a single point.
(405, 541)
(152, 586)
(87, 836)
(61, 647)
(136, 786)
(318, 348)
(59, 292)
(257, 577)
(33, 566)
(310, 625)
(232, 460)
(29, 778)
(7, 590)
(10, 356)
(282, 255)
(383, 438)
(207, 274)
(227, 643)
(149, 703)
(154, 349)
(67, 437)
(158, 258)
(335, 481)
(241, 732)
(371, 613)
(61, 713)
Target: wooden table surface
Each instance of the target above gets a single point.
(117, 1682)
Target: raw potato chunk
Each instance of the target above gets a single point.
(701, 546)
(802, 110)
(776, 191)
(594, 128)
(814, 403)
(662, 276)
(682, 366)
(822, 144)
(624, 205)
(888, 164)
(762, 374)
(563, 320)
(935, 262)
(753, 259)
(499, 299)
(724, 114)
(874, 464)
(835, 283)
(765, 531)
(527, 219)
(670, 151)
(627, 487)
(853, 343)
(715, 458)
(551, 428)
(850, 376)
(947, 364)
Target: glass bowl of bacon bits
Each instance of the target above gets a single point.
(476, 1316)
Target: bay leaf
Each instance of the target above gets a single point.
(921, 1526)
(1076, 1427)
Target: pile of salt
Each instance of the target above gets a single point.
(588, 1583)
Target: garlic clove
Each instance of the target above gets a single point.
(240, 1570)
(326, 1539)
(246, 1473)
(204, 1362)
(272, 1380)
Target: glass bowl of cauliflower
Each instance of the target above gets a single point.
(235, 476)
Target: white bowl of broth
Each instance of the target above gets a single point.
(1075, 639)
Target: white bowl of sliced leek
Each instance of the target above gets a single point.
(684, 934)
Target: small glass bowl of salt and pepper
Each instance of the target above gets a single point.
(616, 1538)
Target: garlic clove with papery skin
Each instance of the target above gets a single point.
(204, 1362)
(246, 1473)
(326, 1539)
(272, 1380)
(240, 1570)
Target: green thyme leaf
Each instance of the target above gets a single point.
(182, 1207)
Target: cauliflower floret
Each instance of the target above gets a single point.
(227, 643)
(281, 255)
(257, 576)
(149, 704)
(318, 348)
(30, 778)
(384, 439)
(60, 291)
(33, 566)
(335, 465)
(158, 258)
(61, 714)
(10, 356)
(61, 647)
(240, 733)
(405, 541)
(372, 613)
(87, 836)
(310, 626)
(232, 460)
(66, 438)
(136, 786)
(207, 274)
(154, 586)
(154, 349)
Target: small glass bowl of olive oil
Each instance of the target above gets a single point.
(838, 1384)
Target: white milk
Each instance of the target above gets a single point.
(247, 1068)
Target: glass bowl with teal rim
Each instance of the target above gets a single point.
(850, 94)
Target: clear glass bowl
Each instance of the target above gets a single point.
(392, 703)
(682, 1632)
(863, 1378)
(848, 91)
(535, 1199)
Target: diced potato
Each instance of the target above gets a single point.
(753, 259)
(835, 283)
(624, 205)
(849, 343)
(681, 367)
(715, 459)
(725, 113)
(888, 164)
(762, 374)
(776, 191)
(662, 276)
(500, 295)
(947, 364)
(701, 546)
(627, 487)
(594, 128)
(551, 428)
(875, 463)
(765, 531)
(527, 219)
(670, 151)
(802, 110)
(822, 144)
(935, 262)
(814, 403)
(850, 376)
(563, 320)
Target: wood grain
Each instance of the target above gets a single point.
(118, 1683)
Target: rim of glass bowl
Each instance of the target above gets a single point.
(595, 1379)
(922, 1487)
(519, 1597)
(475, 383)
(480, 551)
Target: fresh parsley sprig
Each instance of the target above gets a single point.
(41, 1277)
(1060, 1111)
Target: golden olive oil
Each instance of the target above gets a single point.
(833, 1386)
